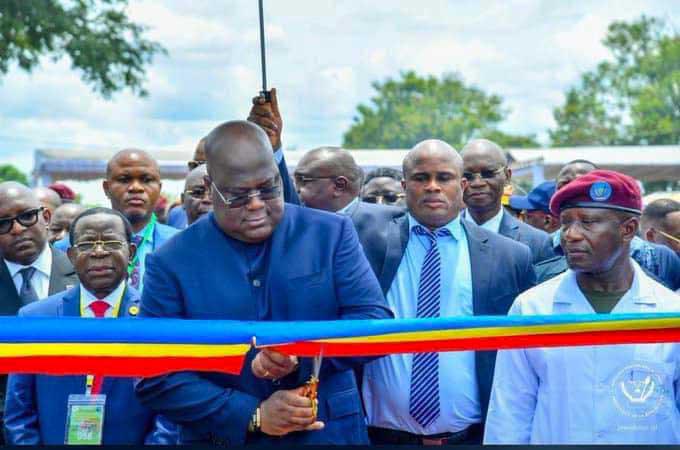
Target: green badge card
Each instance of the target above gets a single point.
(85, 419)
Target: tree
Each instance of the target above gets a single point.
(408, 110)
(10, 173)
(632, 99)
(108, 49)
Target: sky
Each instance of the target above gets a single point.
(322, 57)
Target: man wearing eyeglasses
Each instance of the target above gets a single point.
(383, 186)
(30, 269)
(329, 179)
(487, 172)
(660, 223)
(196, 196)
(256, 258)
(40, 408)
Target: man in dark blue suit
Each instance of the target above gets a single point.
(254, 259)
(436, 264)
(329, 179)
(485, 167)
(37, 405)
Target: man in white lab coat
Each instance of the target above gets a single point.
(613, 394)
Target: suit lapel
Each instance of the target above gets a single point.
(61, 274)
(71, 302)
(10, 303)
(480, 265)
(397, 240)
(509, 226)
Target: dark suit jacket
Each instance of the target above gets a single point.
(289, 193)
(35, 410)
(371, 222)
(501, 269)
(61, 276)
(315, 270)
(538, 241)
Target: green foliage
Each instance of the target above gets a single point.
(10, 173)
(633, 99)
(413, 108)
(101, 42)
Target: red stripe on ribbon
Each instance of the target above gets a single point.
(118, 366)
(608, 337)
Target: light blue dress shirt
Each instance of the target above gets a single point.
(349, 208)
(143, 250)
(278, 155)
(387, 380)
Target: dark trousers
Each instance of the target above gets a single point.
(384, 436)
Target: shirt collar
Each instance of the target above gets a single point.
(454, 227)
(493, 224)
(87, 297)
(639, 291)
(143, 230)
(43, 264)
(349, 207)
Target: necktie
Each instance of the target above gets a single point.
(27, 294)
(424, 391)
(134, 275)
(99, 308)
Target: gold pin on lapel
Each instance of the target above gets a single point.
(133, 310)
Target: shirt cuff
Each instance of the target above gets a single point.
(278, 155)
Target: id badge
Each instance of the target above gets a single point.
(85, 419)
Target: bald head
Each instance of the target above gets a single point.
(47, 198)
(129, 155)
(195, 177)
(199, 152)
(485, 148)
(61, 220)
(237, 146)
(334, 161)
(572, 170)
(432, 148)
(25, 240)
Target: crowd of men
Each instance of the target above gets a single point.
(251, 242)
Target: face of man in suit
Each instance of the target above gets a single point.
(23, 243)
(61, 220)
(327, 178)
(486, 171)
(101, 267)
(196, 196)
(433, 183)
(246, 184)
(383, 190)
(133, 184)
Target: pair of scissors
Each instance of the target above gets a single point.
(311, 390)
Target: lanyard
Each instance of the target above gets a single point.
(147, 235)
(89, 380)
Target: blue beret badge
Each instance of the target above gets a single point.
(600, 191)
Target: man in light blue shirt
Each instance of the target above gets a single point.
(435, 264)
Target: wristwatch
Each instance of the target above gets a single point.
(254, 424)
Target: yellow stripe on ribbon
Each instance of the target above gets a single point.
(123, 350)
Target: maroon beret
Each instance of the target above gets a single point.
(599, 189)
(65, 192)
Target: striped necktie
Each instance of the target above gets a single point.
(424, 391)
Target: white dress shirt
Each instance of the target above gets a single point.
(493, 224)
(41, 277)
(609, 394)
(113, 299)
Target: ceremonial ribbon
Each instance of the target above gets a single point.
(149, 347)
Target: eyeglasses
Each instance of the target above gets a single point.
(109, 246)
(194, 163)
(484, 174)
(26, 219)
(239, 201)
(304, 179)
(668, 236)
(389, 198)
(197, 192)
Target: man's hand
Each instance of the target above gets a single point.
(267, 116)
(271, 365)
(287, 411)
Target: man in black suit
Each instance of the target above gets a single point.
(435, 265)
(30, 268)
(328, 178)
(485, 167)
